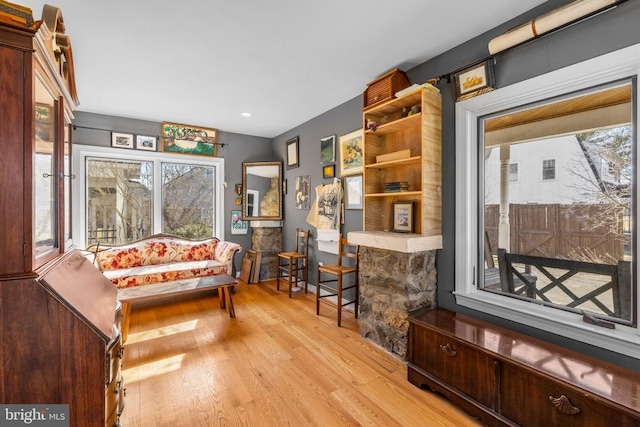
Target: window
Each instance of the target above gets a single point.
(513, 172)
(548, 169)
(187, 203)
(126, 197)
(560, 258)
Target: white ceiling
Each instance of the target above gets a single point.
(202, 63)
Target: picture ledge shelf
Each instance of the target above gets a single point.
(399, 242)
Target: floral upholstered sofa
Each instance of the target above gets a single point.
(162, 258)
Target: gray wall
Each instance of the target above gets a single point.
(240, 148)
(610, 31)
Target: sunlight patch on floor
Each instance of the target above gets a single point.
(162, 332)
(152, 369)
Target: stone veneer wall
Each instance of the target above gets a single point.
(267, 241)
(392, 284)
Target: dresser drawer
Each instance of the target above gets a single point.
(532, 400)
(470, 371)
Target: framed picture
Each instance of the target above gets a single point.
(328, 149)
(353, 192)
(146, 142)
(475, 80)
(328, 171)
(238, 225)
(403, 217)
(351, 153)
(303, 188)
(121, 140)
(185, 139)
(292, 153)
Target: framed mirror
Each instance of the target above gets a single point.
(262, 191)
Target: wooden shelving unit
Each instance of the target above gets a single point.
(420, 134)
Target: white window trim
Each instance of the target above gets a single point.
(79, 190)
(616, 65)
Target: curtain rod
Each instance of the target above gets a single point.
(222, 144)
(536, 37)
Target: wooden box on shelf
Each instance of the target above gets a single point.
(390, 134)
(384, 87)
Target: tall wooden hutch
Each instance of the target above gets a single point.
(58, 329)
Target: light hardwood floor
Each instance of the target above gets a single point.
(276, 364)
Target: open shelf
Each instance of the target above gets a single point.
(395, 163)
(396, 125)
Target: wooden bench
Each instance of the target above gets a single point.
(507, 378)
(221, 282)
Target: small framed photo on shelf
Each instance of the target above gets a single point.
(402, 217)
(475, 80)
(146, 142)
(328, 149)
(353, 192)
(328, 171)
(121, 140)
(292, 153)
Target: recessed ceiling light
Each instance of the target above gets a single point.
(246, 114)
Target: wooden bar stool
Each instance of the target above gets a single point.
(347, 264)
(293, 267)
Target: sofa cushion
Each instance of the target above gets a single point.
(161, 250)
(149, 274)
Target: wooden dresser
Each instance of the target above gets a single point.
(59, 335)
(506, 378)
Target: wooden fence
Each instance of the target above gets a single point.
(557, 231)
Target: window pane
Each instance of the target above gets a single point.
(119, 208)
(188, 194)
(549, 169)
(567, 242)
(513, 172)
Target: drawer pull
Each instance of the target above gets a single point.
(564, 405)
(448, 350)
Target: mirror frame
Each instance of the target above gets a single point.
(245, 214)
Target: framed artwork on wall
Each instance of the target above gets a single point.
(328, 171)
(121, 140)
(238, 225)
(351, 153)
(328, 149)
(146, 142)
(303, 187)
(475, 80)
(185, 139)
(292, 153)
(353, 192)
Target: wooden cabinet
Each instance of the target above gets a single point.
(402, 163)
(58, 331)
(505, 378)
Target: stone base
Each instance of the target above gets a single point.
(267, 241)
(392, 284)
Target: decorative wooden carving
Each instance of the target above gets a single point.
(564, 405)
(448, 350)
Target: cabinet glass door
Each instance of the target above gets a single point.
(45, 171)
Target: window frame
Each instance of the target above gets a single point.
(617, 65)
(555, 176)
(517, 172)
(80, 190)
